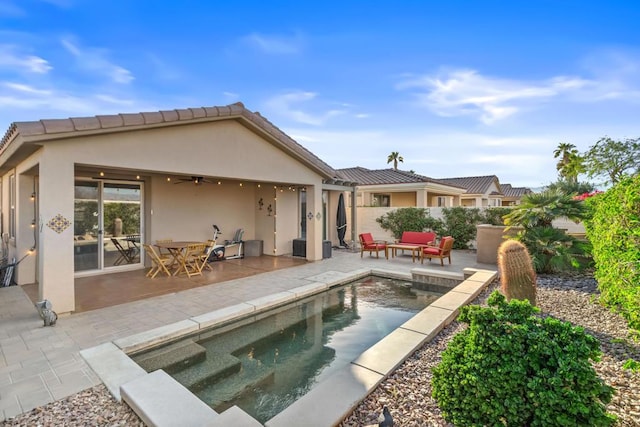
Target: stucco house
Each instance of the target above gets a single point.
(70, 187)
(486, 191)
(397, 189)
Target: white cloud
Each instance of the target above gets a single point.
(29, 63)
(467, 92)
(287, 105)
(278, 45)
(26, 89)
(95, 60)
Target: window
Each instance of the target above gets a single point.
(442, 201)
(382, 200)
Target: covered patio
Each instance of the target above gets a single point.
(107, 290)
(75, 191)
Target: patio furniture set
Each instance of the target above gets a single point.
(421, 244)
(174, 258)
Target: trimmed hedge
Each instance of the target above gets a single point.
(614, 232)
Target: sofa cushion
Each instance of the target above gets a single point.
(417, 237)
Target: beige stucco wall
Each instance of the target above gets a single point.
(183, 212)
(402, 200)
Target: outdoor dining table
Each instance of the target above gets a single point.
(176, 249)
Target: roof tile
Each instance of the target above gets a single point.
(198, 113)
(184, 114)
(111, 121)
(58, 125)
(152, 118)
(32, 128)
(212, 111)
(85, 123)
(170, 115)
(134, 119)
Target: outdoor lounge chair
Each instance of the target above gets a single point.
(158, 263)
(441, 251)
(368, 244)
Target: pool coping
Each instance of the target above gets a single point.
(339, 393)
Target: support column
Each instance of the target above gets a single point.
(55, 225)
(314, 222)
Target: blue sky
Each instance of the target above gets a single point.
(458, 88)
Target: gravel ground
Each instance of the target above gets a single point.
(407, 392)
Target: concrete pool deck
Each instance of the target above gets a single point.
(40, 365)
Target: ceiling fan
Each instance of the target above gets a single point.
(196, 180)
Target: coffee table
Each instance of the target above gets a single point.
(416, 250)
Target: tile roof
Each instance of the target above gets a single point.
(42, 129)
(516, 192)
(473, 184)
(364, 176)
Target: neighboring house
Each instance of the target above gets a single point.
(513, 195)
(481, 191)
(397, 189)
(70, 187)
(383, 190)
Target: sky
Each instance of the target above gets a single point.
(457, 88)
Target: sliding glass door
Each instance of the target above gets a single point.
(107, 224)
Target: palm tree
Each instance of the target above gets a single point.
(570, 164)
(395, 157)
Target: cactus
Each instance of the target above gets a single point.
(517, 276)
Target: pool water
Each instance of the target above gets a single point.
(266, 365)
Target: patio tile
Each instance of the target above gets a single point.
(388, 353)
(224, 314)
(330, 400)
(159, 400)
(112, 366)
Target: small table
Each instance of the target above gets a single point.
(416, 250)
(176, 249)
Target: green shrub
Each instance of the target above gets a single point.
(460, 223)
(614, 231)
(511, 367)
(410, 219)
(494, 216)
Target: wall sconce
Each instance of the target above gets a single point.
(260, 203)
(270, 210)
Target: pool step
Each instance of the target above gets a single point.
(220, 395)
(213, 368)
(173, 358)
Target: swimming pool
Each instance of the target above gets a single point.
(266, 365)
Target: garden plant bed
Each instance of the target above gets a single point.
(407, 392)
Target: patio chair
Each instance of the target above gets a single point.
(190, 260)
(126, 254)
(204, 257)
(442, 251)
(158, 263)
(164, 253)
(368, 244)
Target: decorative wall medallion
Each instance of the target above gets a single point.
(318, 216)
(310, 216)
(59, 223)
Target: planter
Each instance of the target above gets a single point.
(488, 239)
